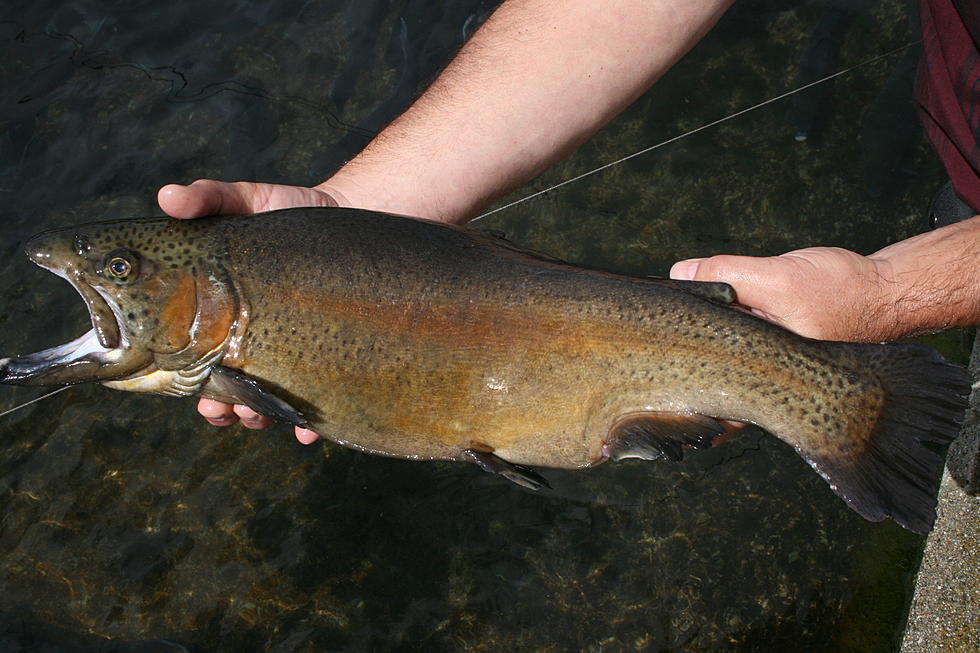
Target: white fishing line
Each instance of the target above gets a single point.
(695, 130)
(33, 401)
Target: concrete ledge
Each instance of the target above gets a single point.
(945, 612)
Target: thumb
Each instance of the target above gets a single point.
(206, 197)
(756, 280)
(685, 270)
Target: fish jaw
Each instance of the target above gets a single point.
(53, 256)
(159, 322)
(102, 353)
(82, 360)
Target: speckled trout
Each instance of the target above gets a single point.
(409, 338)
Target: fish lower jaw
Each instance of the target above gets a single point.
(73, 362)
(86, 346)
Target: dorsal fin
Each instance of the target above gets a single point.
(716, 291)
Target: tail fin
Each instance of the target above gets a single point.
(894, 470)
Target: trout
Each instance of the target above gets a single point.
(409, 338)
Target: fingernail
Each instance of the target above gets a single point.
(220, 421)
(685, 270)
(306, 436)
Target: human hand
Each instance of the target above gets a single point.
(819, 292)
(210, 197)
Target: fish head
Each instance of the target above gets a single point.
(157, 296)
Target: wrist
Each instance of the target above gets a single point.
(357, 185)
(886, 309)
(932, 280)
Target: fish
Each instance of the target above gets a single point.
(409, 338)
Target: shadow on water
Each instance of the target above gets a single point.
(130, 525)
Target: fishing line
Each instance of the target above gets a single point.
(34, 401)
(697, 129)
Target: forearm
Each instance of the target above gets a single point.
(932, 281)
(538, 79)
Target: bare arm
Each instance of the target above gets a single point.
(922, 284)
(537, 80)
(534, 82)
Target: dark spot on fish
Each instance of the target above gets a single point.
(131, 316)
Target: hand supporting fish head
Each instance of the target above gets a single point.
(161, 307)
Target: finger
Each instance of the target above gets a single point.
(180, 201)
(306, 436)
(206, 197)
(685, 270)
(216, 412)
(251, 419)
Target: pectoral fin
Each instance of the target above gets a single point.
(523, 476)
(226, 384)
(660, 435)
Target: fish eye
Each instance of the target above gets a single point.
(121, 265)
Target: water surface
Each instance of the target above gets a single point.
(128, 524)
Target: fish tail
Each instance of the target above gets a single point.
(887, 458)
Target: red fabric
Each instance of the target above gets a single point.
(948, 89)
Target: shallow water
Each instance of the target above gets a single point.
(128, 524)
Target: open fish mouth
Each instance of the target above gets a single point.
(51, 252)
(103, 312)
(99, 346)
(85, 347)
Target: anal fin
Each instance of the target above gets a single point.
(523, 476)
(650, 436)
(226, 384)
